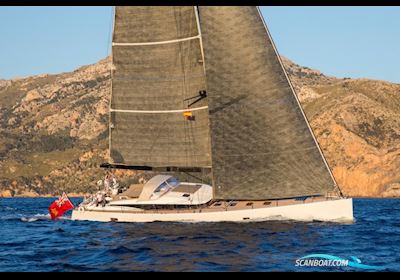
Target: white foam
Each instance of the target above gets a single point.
(35, 218)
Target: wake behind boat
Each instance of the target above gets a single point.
(202, 90)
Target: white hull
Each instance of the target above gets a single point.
(340, 210)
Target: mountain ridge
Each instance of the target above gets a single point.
(54, 135)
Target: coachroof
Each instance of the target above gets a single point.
(152, 185)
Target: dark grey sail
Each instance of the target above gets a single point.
(158, 67)
(262, 146)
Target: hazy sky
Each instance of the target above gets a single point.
(357, 42)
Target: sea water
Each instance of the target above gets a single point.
(31, 241)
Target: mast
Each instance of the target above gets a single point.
(111, 75)
(196, 12)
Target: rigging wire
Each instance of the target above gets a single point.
(109, 39)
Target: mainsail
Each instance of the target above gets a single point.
(249, 126)
(262, 146)
(158, 67)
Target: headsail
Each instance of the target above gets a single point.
(262, 146)
(158, 67)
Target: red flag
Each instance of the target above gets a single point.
(60, 206)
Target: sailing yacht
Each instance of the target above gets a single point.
(201, 91)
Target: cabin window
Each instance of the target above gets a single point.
(173, 182)
(167, 185)
(162, 188)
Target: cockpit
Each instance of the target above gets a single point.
(167, 190)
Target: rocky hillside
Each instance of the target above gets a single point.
(53, 131)
(356, 124)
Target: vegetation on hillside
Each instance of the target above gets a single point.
(53, 131)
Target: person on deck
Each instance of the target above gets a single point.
(100, 199)
(107, 183)
(115, 186)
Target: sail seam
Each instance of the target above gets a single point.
(156, 43)
(159, 112)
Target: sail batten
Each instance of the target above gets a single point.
(159, 112)
(156, 43)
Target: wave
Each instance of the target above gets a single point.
(30, 218)
(125, 250)
(35, 218)
(40, 244)
(40, 217)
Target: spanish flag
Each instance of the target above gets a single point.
(188, 115)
